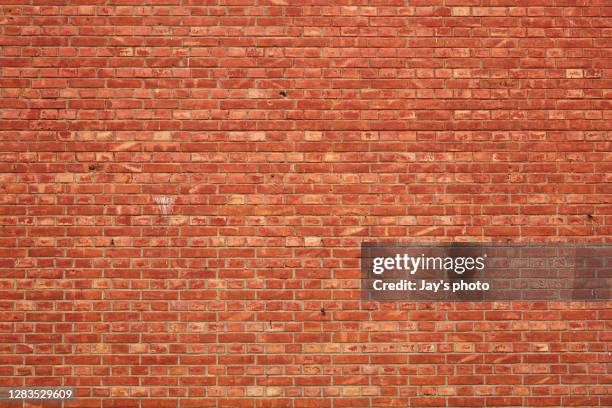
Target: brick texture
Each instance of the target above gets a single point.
(185, 185)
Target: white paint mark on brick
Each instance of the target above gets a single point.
(165, 204)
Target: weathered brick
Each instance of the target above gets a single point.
(185, 186)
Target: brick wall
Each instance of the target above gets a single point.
(283, 134)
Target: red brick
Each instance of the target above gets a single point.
(287, 135)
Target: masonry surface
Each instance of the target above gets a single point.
(185, 185)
